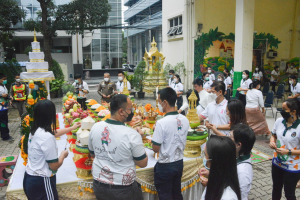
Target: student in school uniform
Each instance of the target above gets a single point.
(257, 75)
(211, 74)
(295, 88)
(178, 88)
(207, 82)
(244, 87)
(171, 75)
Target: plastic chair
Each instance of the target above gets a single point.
(269, 101)
(279, 93)
(266, 89)
(277, 111)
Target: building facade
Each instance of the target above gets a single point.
(144, 18)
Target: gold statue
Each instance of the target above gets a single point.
(34, 38)
(192, 112)
(125, 88)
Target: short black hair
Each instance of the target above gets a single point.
(77, 76)
(118, 101)
(204, 74)
(276, 67)
(172, 71)
(2, 75)
(293, 76)
(245, 135)
(198, 82)
(209, 67)
(169, 95)
(120, 72)
(247, 72)
(226, 70)
(219, 85)
(17, 74)
(254, 84)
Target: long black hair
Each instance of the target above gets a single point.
(247, 72)
(178, 77)
(237, 112)
(243, 134)
(223, 169)
(44, 115)
(293, 104)
(254, 84)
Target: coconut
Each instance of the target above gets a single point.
(87, 123)
(84, 138)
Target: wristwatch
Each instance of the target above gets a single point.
(290, 152)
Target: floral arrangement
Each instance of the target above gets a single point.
(103, 113)
(148, 107)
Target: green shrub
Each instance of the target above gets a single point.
(10, 68)
(57, 71)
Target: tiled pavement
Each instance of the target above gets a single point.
(262, 181)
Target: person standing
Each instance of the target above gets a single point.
(204, 96)
(169, 140)
(120, 83)
(171, 75)
(116, 154)
(257, 75)
(4, 100)
(292, 70)
(211, 74)
(106, 88)
(286, 144)
(81, 89)
(275, 77)
(43, 162)
(256, 117)
(19, 92)
(178, 88)
(244, 87)
(215, 112)
(295, 88)
(207, 82)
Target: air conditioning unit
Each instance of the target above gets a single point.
(272, 54)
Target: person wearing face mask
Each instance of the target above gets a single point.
(235, 114)
(120, 84)
(257, 74)
(4, 101)
(178, 88)
(205, 97)
(171, 75)
(207, 82)
(222, 78)
(19, 91)
(220, 160)
(244, 87)
(117, 149)
(228, 83)
(295, 87)
(256, 117)
(211, 74)
(81, 89)
(215, 112)
(106, 88)
(285, 141)
(291, 70)
(244, 139)
(169, 140)
(275, 77)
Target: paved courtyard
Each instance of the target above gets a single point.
(262, 181)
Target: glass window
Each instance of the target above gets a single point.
(114, 6)
(96, 57)
(176, 21)
(104, 34)
(104, 45)
(26, 2)
(114, 35)
(114, 45)
(36, 10)
(171, 23)
(36, 3)
(114, 60)
(180, 20)
(86, 49)
(104, 59)
(28, 11)
(95, 45)
(113, 21)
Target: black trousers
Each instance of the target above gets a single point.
(273, 84)
(242, 97)
(282, 178)
(104, 192)
(179, 104)
(167, 180)
(42, 188)
(82, 103)
(4, 124)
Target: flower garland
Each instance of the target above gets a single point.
(23, 154)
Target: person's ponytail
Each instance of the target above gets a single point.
(251, 86)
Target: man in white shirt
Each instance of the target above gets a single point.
(117, 150)
(215, 112)
(211, 75)
(81, 89)
(120, 83)
(292, 70)
(205, 97)
(171, 75)
(169, 140)
(275, 77)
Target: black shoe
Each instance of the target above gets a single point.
(10, 139)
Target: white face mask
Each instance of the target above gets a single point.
(161, 108)
(291, 82)
(219, 79)
(106, 79)
(244, 76)
(120, 78)
(209, 71)
(18, 80)
(256, 69)
(175, 80)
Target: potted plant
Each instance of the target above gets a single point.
(138, 78)
(56, 88)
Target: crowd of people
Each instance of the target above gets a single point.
(232, 123)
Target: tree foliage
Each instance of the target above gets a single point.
(139, 75)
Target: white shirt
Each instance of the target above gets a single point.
(177, 87)
(212, 77)
(115, 147)
(225, 83)
(275, 74)
(3, 106)
(170, 82)
(245, 85)
(257, 75)
(295, 90)
(287, 138)
(186, 105)
(228, 81)
(83, 86)
(228, 194)
(42, 149)
(254, 99)
(205, 98)
(207, 85)
(170, 134)
(216, 114)
(291, 71)
(245, 176)
(120, 86)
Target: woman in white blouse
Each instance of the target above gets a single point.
(257, 74)
(207, 82)
(245, 82)
(255, 117)
(295, 88)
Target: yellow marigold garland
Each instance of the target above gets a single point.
(23, 154)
